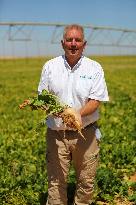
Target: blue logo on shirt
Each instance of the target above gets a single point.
(85, 77)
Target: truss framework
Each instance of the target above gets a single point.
(95, 35)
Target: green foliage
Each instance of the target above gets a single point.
(47, 101)
(23, 178)
(110, 183)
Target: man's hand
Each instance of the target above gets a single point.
(73, 118)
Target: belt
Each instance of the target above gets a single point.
(91, 125)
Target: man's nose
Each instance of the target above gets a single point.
(73, 42)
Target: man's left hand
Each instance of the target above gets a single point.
(76, 115)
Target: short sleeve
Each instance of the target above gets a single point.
(99, 88)
(43, 84)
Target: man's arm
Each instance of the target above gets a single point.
(89, 108)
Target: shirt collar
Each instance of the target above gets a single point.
(76, 66)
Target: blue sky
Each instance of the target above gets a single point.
(116, 13)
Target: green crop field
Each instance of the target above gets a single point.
(23, 179)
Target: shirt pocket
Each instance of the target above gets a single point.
(83, 87)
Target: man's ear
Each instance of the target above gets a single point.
(62, 43)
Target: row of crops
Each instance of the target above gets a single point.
(23, 179)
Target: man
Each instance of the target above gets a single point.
(79, 82)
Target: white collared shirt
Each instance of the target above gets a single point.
(74, 86)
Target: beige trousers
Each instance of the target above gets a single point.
(61, 149)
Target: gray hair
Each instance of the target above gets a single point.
(73, 26)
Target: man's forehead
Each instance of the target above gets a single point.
(73, 33)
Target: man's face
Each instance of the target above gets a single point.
(73, 44)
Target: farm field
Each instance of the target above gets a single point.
(23, 179)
